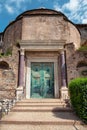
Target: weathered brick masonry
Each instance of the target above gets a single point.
(9, 76)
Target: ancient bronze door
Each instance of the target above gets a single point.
(42, 80)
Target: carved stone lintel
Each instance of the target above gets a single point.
(64, 93)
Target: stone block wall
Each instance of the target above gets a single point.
(43, 28)
(74, 36)
(12, 35)
(49, 28)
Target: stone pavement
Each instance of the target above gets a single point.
(50, 114)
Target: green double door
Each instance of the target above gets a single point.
(42, 80)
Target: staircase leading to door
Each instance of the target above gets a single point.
(42, 105)
(41, 114)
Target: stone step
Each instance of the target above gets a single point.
(42, 122)
(41, 104)
(38, 118)
(43, 101)
(43, 109)
(41, 127)
(39, 114)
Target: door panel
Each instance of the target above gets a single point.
(42, 80)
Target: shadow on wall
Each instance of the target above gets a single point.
(82, 68)
(4, 65)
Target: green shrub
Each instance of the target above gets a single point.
(78, 97)
(83, 48)
(9, 51)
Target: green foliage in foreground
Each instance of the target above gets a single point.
(78, 96)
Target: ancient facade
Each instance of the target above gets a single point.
(40, 55)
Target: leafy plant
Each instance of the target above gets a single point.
(8, 52)
(78, 97)
(83, 48)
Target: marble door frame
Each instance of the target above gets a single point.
(28, 73)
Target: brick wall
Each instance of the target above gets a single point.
(74, 57)
(9, 77)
